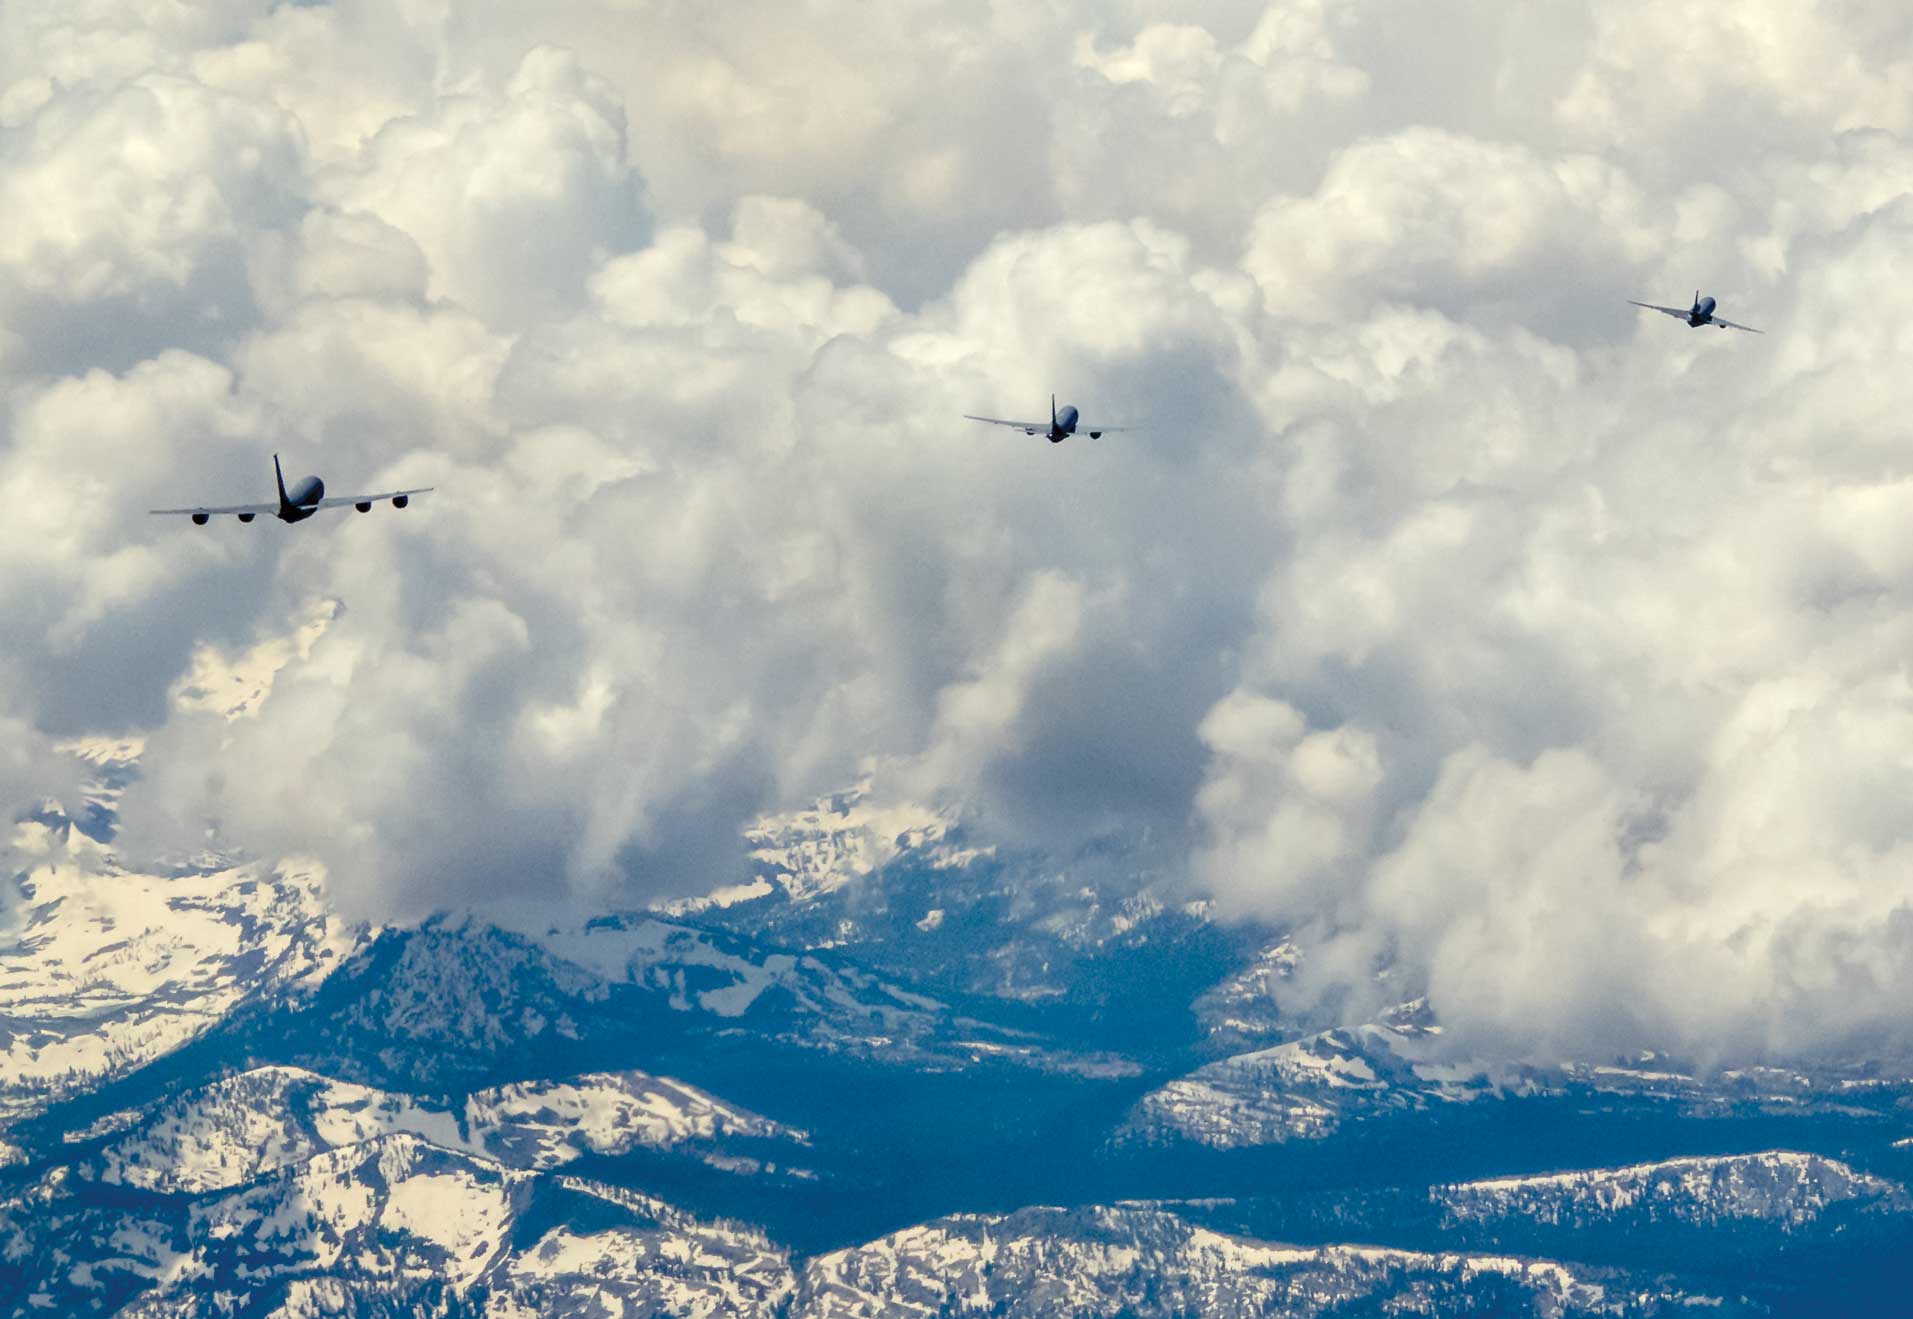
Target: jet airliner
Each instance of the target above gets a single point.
(1060, 427)
(307, 498)
(1701, 313)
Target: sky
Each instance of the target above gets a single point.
(1441, 606)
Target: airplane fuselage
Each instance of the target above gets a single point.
(302, 501)
(1064, 425)
(1703, 312)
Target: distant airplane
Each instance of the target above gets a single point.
(301, 504)
(1060, 427)
(1701, 313)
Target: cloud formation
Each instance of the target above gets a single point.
(1440, 607)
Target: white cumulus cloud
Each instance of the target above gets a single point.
(1438, 605)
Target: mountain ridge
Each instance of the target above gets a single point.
(817, 1099)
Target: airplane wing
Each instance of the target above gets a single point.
(340, 501)
(1083, 428)
(1020, 425)
(1735, 325)
(1683, 313)
(216, 508)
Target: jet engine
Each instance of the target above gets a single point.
(201, 519)
(399, 501)
(364, 506)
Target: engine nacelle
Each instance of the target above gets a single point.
(247, 517)
(364, 506)
(1095, 435)
(400, 501)
(201, 519)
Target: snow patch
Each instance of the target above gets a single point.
(237, 686)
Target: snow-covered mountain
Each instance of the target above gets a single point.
(1141, 1260)
(241, 1127)
(104, 969)
(391, 1225)
(825, 1091)
(1096, 940)
(1780, 1189)
(455, 1003)
(847, 837)
(396, 1224)
(1316, 1086)
(1239, 1013)
(1309, 1088)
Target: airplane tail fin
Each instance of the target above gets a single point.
(1052, 412)
(280, 477)
(1696, 299)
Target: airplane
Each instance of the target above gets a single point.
(301, 504)
(1061, 425)
(1701, 313)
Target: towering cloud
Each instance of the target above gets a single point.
(1438, 607)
